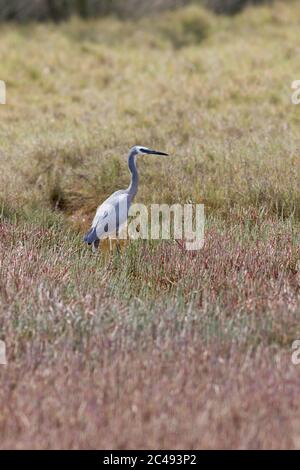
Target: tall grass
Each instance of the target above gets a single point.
(155, 346)
(231, 131)
(150, 348)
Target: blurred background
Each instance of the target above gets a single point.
(57, 10)
(157, 347)
(87, 79)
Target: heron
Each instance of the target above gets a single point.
(112, 214)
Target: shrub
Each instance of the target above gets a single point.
(186, 26)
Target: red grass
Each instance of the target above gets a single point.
(157, 349)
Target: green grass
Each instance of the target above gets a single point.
(220, 105)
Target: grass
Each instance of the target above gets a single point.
(156, 347)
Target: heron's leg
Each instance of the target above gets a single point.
(95, 246)
(118, 240)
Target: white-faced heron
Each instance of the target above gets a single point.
(113, 212)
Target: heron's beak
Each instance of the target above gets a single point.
(155, 152)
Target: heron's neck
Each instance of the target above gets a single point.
(133, 187)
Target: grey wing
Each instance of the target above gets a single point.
(112, 214)
(91, 236)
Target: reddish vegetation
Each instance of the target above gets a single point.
(198, 397)
(94, 363)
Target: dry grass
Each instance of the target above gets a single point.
(174, 352)
(155, 347)
(196, 397)
(232, 131)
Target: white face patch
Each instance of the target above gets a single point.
(139, 148)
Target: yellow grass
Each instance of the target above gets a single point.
(153, 347)
(80, 94)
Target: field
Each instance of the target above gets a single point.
(155, 347)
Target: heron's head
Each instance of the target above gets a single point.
(145, 150)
